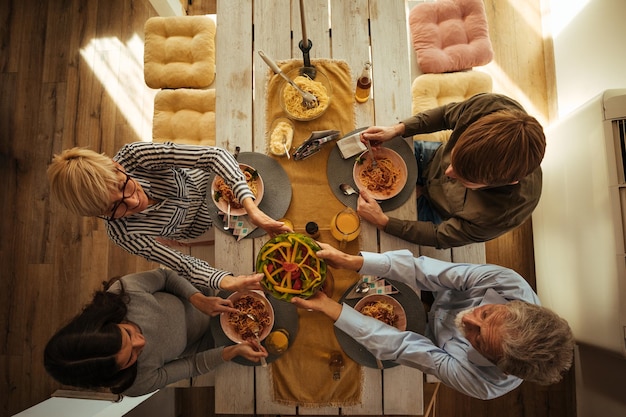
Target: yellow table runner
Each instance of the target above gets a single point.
(302, 376)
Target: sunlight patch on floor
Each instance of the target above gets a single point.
(503, 84)
(119, 67)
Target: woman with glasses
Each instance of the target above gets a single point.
(152, 192)
(147, 330)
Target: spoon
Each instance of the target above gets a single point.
(309, 101)
(347, 189)
(362, 288)
(286, 150)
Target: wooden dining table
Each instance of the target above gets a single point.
(353, 31)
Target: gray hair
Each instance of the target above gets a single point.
(537, 344)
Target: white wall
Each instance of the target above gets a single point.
(590, 57)
(589, 48)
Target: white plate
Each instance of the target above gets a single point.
(223, 205)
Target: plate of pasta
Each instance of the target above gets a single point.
(291, 100)
(239, 327)
(384, 308)
(384, 181)
(222, 194)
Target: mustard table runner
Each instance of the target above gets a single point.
(302, 376)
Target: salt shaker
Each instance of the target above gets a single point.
(336, 364)
(312, 229)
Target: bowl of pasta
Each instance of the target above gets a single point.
(383, 181)
(238, 327)
(384, 308)
(291, 100)
(222, 193)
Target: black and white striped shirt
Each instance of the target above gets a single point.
(177, 177)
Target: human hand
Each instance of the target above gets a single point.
(369, 209)
(251, 351)
(241, 282)
(378, 134)
(338, 259)
(212, 306)
(319, 302)
(262, 220)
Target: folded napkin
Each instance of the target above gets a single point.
(379, 285)
(240, 226)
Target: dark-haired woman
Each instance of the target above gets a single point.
(145, 331)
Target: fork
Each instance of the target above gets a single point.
(369, 149)
(308, 100)
(256, 329)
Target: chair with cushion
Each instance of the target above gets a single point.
(184, 116)
(450, 35)
(179, 52)
(433, 90)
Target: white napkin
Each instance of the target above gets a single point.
(240, 226)
(350, 146)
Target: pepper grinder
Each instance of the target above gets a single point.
(336, 364)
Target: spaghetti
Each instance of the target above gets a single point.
(380, 311)
(243, 325)
(292, 99)
(382, 178)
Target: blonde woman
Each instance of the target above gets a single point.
(153, 191)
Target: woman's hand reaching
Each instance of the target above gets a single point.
(212, 306)
(262, 220)
(251, 351)
(241, 282)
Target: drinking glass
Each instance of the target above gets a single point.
(345, 226)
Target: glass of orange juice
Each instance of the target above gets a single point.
(345, 226)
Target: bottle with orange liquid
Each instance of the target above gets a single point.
(364, 84)
(345, 226)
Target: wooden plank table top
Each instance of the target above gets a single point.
(353, 31)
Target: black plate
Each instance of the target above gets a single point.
(285, 317)
(276, 196)
(415, 322)
(340, 171)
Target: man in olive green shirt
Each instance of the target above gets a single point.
(484, 181)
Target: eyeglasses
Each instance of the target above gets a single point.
(120, 207)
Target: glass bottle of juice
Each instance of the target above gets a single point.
(364, 84)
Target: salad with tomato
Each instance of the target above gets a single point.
(290, 266)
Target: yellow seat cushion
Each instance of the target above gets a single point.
(184, 116)
(433, 90)
(179, 52)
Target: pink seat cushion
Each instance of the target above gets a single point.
(450, 35)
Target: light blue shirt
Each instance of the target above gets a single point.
(443, 352)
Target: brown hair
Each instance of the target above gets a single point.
(500, 148)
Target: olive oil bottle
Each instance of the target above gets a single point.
(364, 84)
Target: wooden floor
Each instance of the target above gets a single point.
(70, 75)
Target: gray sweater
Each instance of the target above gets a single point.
(177, 334)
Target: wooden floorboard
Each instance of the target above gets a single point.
(52, 99)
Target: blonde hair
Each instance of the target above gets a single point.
(500, 148)
(82, 180)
